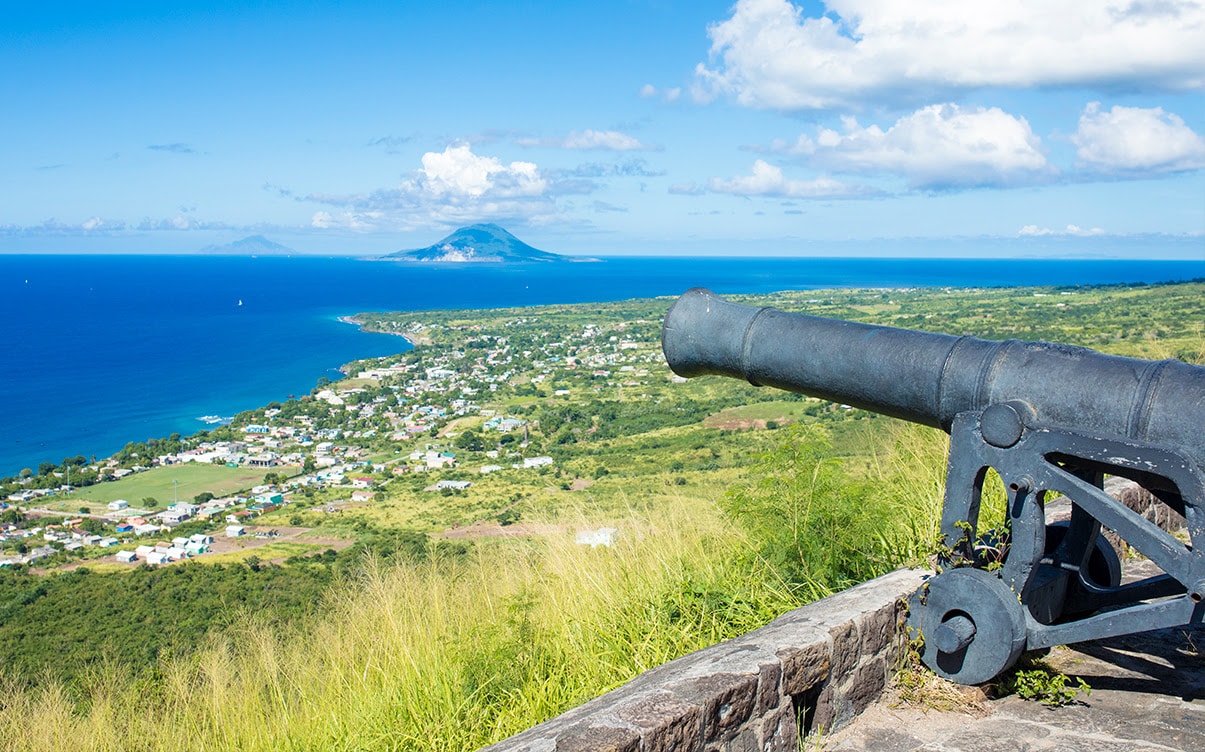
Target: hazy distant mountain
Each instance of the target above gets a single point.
(477, 244)
(253, 245)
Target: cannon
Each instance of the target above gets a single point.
(1048, 418)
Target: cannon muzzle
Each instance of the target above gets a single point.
(929, 378)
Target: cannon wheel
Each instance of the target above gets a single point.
(972, 625)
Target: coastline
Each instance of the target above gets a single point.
(290, 324)
(414, 340)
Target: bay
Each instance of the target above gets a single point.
(97, 351)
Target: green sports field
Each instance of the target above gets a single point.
(189, 480)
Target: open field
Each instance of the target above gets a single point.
(757, 415)
(190, 479)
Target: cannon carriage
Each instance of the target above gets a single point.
(1047, 418)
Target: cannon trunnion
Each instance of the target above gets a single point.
(1048, 419)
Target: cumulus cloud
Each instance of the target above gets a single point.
(937, 146)
(770, 54)
(588, 140)
(1135, 139)
(457, 171)
(767, 180)
(453, 186)
(1069, 231)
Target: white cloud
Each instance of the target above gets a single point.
(936, 146)
(458, 171)
(454, 186)
(1071, 230)
(1135, 139)
(648, 91)
(769, 54)
(587, 140)
(768, 180)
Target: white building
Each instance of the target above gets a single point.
(604, 536)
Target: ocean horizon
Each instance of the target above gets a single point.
(103, 350)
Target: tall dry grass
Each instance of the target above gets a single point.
(444, 655)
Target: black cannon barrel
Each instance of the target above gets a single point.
(929, 378)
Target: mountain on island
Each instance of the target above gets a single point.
(253, 245)
(487, 243)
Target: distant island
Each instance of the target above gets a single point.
(253, 245)
(483, 243)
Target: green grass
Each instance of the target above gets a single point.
(192, 479)
(266, 552)
(780, 411)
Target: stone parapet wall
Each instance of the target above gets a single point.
(818, 666)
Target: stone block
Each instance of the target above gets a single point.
(877, 629)
(780, 730)
(664, 723)
(847, 648)
(804, 667)
(584, 738)
(726, 700)
(769, 688)
(866, 684)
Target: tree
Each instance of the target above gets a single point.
(26, 472)
(46, 468)
(203, 497)
(149, 502)
(92, 525)
(471, 441)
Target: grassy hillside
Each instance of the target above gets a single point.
(458, 617)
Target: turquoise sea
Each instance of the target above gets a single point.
(97, 351)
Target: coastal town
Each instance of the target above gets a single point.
(469, 401)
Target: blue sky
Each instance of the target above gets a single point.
(764, 127)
